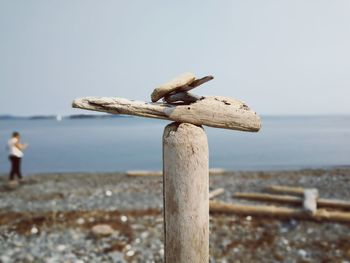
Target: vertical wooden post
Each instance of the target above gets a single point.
(186, 193)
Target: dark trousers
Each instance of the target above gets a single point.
(15, 167)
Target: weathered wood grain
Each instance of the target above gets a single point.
(186, 193)
(201, 81)
(219, 112)
(170, 86)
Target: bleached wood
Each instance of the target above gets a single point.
(186, 198)
(310, 200)
(216, 193)
(333, 203)
(270, 198)
(122, 106)
(280, 212)
(297, 200)
(285, 189)
(143, 173)
(201, 81)
(216, 171)
(170, 86)
(219, 112)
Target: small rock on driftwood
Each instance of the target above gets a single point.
(182, 96)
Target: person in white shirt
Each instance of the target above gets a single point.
(15, 148)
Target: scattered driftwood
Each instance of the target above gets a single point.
(310, 200)
(295, 200)
(219, 112)
(216, 192)
(310, 195)
(280, 212)
(212, 171)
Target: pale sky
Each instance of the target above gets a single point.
(280, 57)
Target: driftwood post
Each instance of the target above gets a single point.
(186, 193)
(185, 155)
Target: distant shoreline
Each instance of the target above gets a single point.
(59, 117)
(155, 173)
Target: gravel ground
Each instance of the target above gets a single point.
(49, 218)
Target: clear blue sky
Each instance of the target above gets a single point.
(281, 57)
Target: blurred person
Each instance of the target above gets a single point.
(16, 148)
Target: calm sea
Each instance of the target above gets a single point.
(119, 144)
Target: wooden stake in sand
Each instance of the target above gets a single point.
(186, 189)
(185, 155)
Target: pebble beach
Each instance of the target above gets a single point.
(112, 217)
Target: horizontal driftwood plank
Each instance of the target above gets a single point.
(219, 112)
(294, 190)
(288, 199)
(280, 212)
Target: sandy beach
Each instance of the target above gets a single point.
(50, 218)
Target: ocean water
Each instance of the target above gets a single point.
(120, 144)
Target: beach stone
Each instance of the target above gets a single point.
(12, 185)
(117, 257)
(102, 230)
(173, 85)
(80, 221)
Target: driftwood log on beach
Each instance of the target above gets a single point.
(294, 190)
(295, 200)
(144, 173)
(216, 111)
(280, 212)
